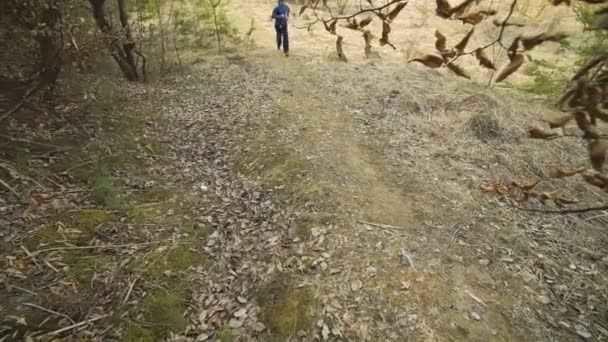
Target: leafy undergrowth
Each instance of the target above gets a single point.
(228, 205)
(104, 236)
(133, 225)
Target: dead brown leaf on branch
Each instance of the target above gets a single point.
(583, 103)
(358, 20)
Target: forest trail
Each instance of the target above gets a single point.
(431, 263)
(255, 197)
(324, 127)
(389, 271)
(397, 258)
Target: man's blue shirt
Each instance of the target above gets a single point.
(280, 14)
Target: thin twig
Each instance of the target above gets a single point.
(25, 141)
(76, 167)
(596, 217)
(74, 326)
(409, 258)
(564, 211)
(3, 183)
(24, 290)
(49, 265)
(49, 311)
(375, 9)
(454, 237)
(130, 290)
(15, 174)
(477, 299)
(93, 247)
(21, 103)
(29, 254)
(380, 225)
(498, 40)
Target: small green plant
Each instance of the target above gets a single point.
(596, 44)
(205, 20)
(545, 83)
(106, 194)
(343, 6)
(226, 335)
(165, 311)
(221, 25)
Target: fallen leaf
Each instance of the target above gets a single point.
(235, 323)
(356, 285)
(325, 332)
(240, 313)
(560, 121)
(539, 133)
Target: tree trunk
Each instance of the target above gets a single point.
(196, 24)
(129, 44)
(340, 50)
(123, 57)
(161, 30)
(214, 7)
(49, 49)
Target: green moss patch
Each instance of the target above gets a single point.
(285, 310)
(156, 265)
(82, 265)
(164, 311)
(87, 221)
(226, 335)
(136, 333)
(106, 194)
(78, 229)
(157, 195)
(144, 212)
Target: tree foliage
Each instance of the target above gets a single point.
(48, 35)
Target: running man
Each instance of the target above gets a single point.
(280, 14)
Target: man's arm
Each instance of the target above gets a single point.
(274, 13)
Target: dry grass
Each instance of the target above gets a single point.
(485, 127)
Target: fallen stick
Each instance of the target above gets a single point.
(92, 247)
(407, 255)
(380, 225)
(130, 290)
(74, 326)
(65, 172)
(477, 299)
(23, 290)
(9, 188)
(454, 236)
(49, 265)
(26, 141)
(29, 255)
(49, 311)
(21, 103)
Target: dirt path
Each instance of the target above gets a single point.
(391, 273)
(300, 198)
(404, 286)
(434, 264)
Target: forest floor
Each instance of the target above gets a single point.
(269, 198)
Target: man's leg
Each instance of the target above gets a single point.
(279, 35)
(285, 40)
